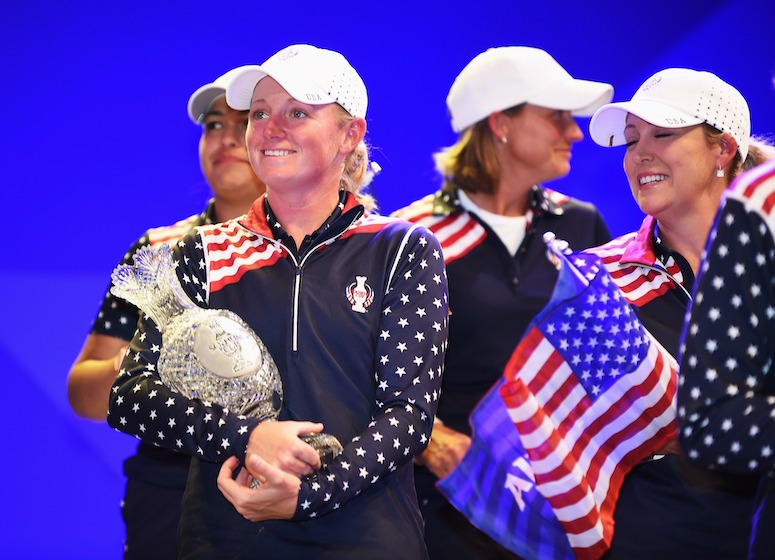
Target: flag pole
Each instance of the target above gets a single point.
(558, 251)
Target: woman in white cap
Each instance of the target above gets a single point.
(352, 308)
(156, 478)
(514, 109)
(687, 134)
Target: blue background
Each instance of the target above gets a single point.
(98, 148)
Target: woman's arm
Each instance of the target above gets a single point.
(726, 398)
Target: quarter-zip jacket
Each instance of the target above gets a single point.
(368, 368)
(493, 294)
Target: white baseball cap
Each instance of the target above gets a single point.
(309, 74)
(675, 98)
(504, 77)
(202, 98)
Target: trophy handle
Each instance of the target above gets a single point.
(152, 285)
(327, 446)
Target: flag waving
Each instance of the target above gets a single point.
(494, 487)
(587, 394)
(591, 394)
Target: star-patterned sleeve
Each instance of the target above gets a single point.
(409, 363)
(142, 406)
(726, 418)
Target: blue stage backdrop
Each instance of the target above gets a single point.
(98, 148)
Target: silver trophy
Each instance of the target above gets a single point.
(207, 354)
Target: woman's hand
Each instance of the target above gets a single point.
(445, 450)
(279, 445)
(274, 498)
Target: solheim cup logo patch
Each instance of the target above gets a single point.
(359, 294)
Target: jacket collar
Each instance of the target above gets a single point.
(642, 249)
(208, 216)
(447, 202)
(257, 221)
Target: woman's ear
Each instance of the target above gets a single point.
(354, 133)
(496, 122)
(728, 150)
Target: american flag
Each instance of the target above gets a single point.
(591, 394)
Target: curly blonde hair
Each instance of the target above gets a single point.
(355, 171)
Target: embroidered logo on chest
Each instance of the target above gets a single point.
(359, 294)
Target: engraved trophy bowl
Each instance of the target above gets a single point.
(215, 357)
(207, 354)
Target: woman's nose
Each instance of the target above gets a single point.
(640, 152)
(233, 135)
(573, 131)
(272, 128)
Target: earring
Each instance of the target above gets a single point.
(504, 140)
(720, 172)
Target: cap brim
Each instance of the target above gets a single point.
(201, 100)
(580, 97)
(239, 94)
(607, 125)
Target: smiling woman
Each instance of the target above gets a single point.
(339, 296)
(293, 104)
(515, 110)
(673, 173)
(687, 133)
(284, 147)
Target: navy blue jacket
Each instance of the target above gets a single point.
(495, 295)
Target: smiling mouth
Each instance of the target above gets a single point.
(277, 152)
(651, 179)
